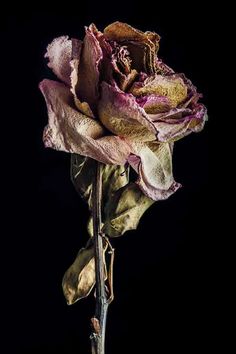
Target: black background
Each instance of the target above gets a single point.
(163, 271)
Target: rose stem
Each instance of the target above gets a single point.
(99, 320)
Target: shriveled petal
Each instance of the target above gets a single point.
(142, 46)
(71, 131)
(59, 55)
(127, 80)
(179, 122)
(83, 107)
(171, 86)
(153, 162)
(121, 114)
(154, 103)
(120, 63)
(162, 68)
(121, 32)
(87, 86)
(192, 96)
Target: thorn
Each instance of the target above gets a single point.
(96, 325)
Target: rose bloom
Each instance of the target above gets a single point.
(118, 103)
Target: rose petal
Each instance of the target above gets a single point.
(162, 68)
(153, 162)
(87, 86)
(142, 46)
(192, 96)
(121, 67)
(154, 103)
(121, 114)
(120, 31)
(171, 86)
(83, 107)
(59, 55)
(71, 131)
(172, 116)
(179, 122)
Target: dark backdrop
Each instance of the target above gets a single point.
(163, 271)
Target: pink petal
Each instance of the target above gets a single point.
(179, 122)
(153, 162)
(87, 87)
(163, 68)
(59, 55)
(121, 114)
(83, 107)
(154, 103)
(171, 86)
(71, 131)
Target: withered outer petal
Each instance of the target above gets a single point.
(153, 163)
(83, 107)
(71, 131)
(59, 55)
(88, 73)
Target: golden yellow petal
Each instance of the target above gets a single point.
(172, 87)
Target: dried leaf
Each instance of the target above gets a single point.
(79, 279)
(82, 174)
(124, 210)
(123, 203)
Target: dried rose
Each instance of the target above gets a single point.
(118, 103)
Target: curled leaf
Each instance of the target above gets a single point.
(82, 170)
(83, 174)
(79, 279)
(123, 203)
(114, 177)
(124, 210)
